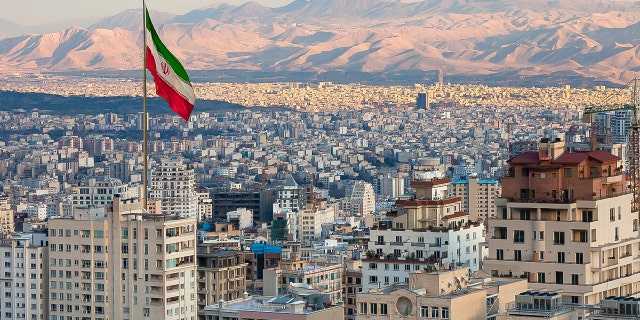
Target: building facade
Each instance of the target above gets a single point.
(23, 277)
(564, 222)
(122, 263)
(478, 196)
(174, 185)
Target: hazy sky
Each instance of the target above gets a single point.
(37, 12)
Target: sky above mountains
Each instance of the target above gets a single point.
(40, 12)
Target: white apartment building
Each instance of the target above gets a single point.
(23, 277)
(123, 264)
(98, 192)
(394, 253)
(362, 198)
(427, 231)
(174, 185)
(390, 185)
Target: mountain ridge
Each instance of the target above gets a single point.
(596, 39)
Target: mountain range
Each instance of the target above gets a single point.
(590, 38)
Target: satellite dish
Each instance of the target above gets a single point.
(404, 306)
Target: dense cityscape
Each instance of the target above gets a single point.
(435, 201)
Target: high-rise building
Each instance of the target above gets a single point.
(564, 222)
(478, 196)
(422, 101)
(98, 192)
(221, 276)
(6, 218)
(122, 263)
(361, 197)
(174, 185)
(23, 277)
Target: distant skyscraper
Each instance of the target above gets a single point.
(422, 101)
(441, 77)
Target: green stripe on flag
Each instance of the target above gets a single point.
(165, 53)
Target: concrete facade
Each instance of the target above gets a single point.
(122, 263)
(565, 224)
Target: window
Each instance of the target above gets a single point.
(518, 236)
(558, 237)
(541, 235)
(559, 277)
(499, 254)
(560, 257)
(612, 214)
(434, 312)
(383, 309)
(445, 313)
(567, 172)
(587, 216)
(373, 308)
(517, 255)
(424, 312)
(541, 277)
(125, 233)
(574, 279)
(579, 258)
(373, 279)
(363, 308)
(525, 214)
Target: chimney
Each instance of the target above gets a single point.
(543, 149)
(557, 148)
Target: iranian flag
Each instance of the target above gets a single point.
(172, 81)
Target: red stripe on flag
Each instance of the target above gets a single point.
(178, 103)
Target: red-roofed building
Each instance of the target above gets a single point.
(564, 222)
(551, 174)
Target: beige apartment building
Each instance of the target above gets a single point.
(221, 276)
(289, 275)
(478, 196)
(564, 222)
(443, 294)
(119, 263)
(23, 277)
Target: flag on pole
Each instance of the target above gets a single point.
(172, 81)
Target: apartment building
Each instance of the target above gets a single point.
(272, 308)
(119, 262)
(477, 195)
(221, 276)
(311, 219)
(441, 294)
(326, 278)
(174, 185)
(98, 192)
(6, 222)
(353, 286)
(361, 198)
(564, 222)
(23, 277)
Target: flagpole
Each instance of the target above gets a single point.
(145, 151)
